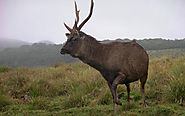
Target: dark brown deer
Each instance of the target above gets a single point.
(118, 62)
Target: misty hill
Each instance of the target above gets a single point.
(155, 44)
(160, 44)
(46, 42)
(11, 43)
(38, 54)
(42, 54)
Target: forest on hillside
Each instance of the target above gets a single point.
(40, 54)
(160, 44)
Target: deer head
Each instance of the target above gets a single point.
(75, 38)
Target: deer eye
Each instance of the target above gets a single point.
(74, 39)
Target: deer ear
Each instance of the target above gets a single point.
(67, 35)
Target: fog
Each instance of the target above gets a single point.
(35, 20)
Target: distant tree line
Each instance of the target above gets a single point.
(160, 44)
(33, 55)
(41, 54)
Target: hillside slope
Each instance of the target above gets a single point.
(47, 53)
(33, 55)
(11, 43)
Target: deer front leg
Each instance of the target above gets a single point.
(114, 96)
(118, 80)
(113, 87)
(128, 95)
(114, 93)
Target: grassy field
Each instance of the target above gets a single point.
(77, 89)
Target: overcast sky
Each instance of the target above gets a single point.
(35, 20)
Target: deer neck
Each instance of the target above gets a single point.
(92, 54)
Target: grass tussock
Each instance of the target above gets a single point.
(77, 89)
(4, 69)
(4, 101)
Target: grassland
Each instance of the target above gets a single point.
(77, 89)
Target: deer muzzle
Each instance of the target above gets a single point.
(63, 51)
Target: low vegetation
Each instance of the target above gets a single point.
(77, 89)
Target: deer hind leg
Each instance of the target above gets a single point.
(128, 92)
(143, 81)
(143, 94)
(128, 95)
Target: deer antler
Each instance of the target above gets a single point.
(77, 17)
(75, 27)
(68, 28)
(89, 16)
(77, 13)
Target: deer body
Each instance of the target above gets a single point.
(112, 58)
(118, 62)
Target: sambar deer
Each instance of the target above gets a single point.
(118, 62)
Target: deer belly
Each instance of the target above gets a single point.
(129, 80)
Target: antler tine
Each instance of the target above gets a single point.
(77, 13)
(68, 28)
(89, 16)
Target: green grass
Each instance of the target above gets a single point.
(4, 69)
(77, 89)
